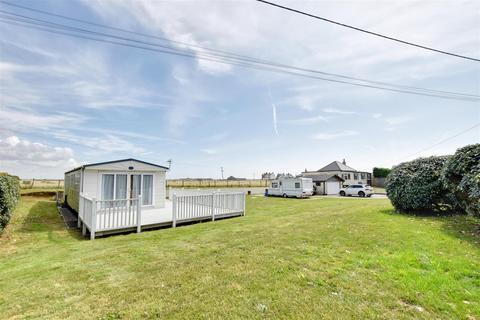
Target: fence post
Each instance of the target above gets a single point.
(174, 210)
(93, 226)
(212, 208)
(139, 214)
(80, 209)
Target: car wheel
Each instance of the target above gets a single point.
(361, 194)
(342, 193)
(284, 195)
(369, 195)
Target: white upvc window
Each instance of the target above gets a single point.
(117, 186)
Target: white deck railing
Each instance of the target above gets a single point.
(105, 215)
(195, 206)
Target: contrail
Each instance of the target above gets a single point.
(274, 111)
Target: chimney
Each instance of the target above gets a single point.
(344, 162)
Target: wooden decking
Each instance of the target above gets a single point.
(99, 218)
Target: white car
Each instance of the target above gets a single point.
(361, 190)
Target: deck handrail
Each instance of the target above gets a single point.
(194, 206)
(109, 214)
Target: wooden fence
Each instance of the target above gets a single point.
(216, 183)
(174, 183)
(41, 184)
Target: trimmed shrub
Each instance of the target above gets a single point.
(416, 186)
(381, 172)
(461, 175)
(9, 195)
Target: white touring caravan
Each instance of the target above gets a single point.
(291, 187)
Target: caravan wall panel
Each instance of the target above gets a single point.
(72, 188)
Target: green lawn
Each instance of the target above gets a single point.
(324, 258)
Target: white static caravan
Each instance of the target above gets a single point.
(117, 180)
(291, 187)
(127, 195)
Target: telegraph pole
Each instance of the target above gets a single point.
(221, 169)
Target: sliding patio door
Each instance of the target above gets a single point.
(135, 185)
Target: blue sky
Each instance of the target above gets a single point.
(67, 101)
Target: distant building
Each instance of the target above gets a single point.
(348, 174)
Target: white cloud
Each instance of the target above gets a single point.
(376, 115)
(337, 111)
(85, 79)
(28, 120)
(253, 29)
(105, 144)
(19, 151)
(331, 136)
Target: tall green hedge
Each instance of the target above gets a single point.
(381, 172)
(461, 175)
(416, 186)
(9, 195)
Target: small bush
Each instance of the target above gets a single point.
(381, 172)
(416, 186)
(461, 175)
(9, 195)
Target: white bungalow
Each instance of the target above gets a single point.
(129, 194)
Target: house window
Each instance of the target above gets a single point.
(297, 185)
(363, 175)
(355, 176)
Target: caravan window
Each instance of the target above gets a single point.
(147, 189)
(297, 185)
(108, 181)
(274, 185)
(115, 187)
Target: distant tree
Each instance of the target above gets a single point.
(284, 175)
(381, 172)
(268, 175)
(234, 178)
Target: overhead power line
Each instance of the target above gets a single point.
(367, 31)
(220, 52)
(443, 141)
(43, 25)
